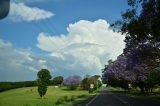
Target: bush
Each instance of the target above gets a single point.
(67, 99)
(61, 100)
(64, 99)
(72, 98)
(91, 90)
(81, 96)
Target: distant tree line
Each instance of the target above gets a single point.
(12, 85)
(57, 81)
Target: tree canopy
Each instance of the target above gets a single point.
(57, 80)
(43, 79)
(139, 64)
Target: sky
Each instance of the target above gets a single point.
(68, 37)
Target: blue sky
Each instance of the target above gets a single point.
(66, 36)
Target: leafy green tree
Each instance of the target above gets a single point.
(57, 80)
(85, 83)
(140, 26)
(99, 83)
(43, 80)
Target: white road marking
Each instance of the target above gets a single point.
(92, 100)
(123, 101)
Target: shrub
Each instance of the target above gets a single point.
(72, 98)
(61, 100)
(81, 96)
(67, 99)
(90, 91)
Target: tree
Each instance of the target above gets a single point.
(116, 74)
(93, 80)
(142, 37)
(104, 70)
(57, 80)
(138, 66)
(140, 26)
(72, 82)
(43, 79)
(85, 83)
(143, 61)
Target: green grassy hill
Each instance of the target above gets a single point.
(29, 96)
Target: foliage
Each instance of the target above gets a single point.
(99, 83)
(143, 60)
(141, 56)
(85, 83)
(12, 85)
(117, 75)
(72, 82)
(138, 66)
(93, 80)
(143, 26)
(82, 96)
(43, 79)
(58, 80)
(61, 100)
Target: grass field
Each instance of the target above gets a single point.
(29, 96)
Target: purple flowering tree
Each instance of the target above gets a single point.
(117, 75)
(72, 82)
(144, 62)
(139, 66)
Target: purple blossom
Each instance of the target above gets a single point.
(137, 66)
(72, 81)
(117, 72)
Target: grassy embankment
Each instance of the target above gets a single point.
(29, 97)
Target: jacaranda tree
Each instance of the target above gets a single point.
(72, 82)
(117, 75)
(138, 66)
(142, 51)
(144, 61)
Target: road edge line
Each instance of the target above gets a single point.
(123, 101)
(92, 100)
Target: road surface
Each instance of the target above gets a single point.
(111, 99)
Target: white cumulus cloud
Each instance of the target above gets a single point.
(85, 49)
(22, 12)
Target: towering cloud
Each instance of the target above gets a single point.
(86, 48)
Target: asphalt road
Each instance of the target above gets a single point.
(111, 99)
